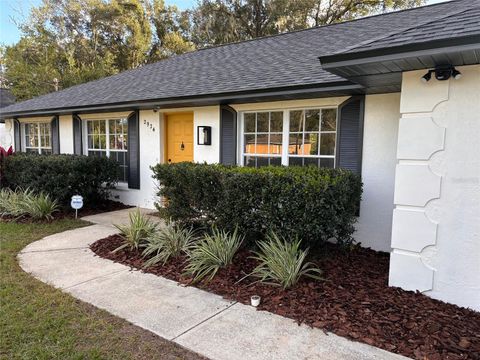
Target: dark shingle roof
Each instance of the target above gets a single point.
(464, 22)
(280, 61)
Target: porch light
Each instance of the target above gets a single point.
(204, 135)
(442, 72)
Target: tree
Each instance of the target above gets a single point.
(76, 41)
(219, 21)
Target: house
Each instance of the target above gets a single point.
(6, 98)
(393, 97)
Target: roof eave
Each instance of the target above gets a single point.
(340, 87)
(449, 45)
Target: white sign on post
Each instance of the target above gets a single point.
(76, 203)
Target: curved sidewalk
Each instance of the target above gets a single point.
(198, 320)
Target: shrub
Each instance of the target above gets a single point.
(282, 262)
(136, 232)
(170, 241)
(311, 203)
(211, 253)
(62, 176)
(20, 203)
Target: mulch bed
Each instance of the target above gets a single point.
(105, 206)
(354, 301)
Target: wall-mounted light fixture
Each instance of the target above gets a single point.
(156, 108)
(204, 135)
(442, 72)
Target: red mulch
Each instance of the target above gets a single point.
(105, 206)
(354, 301)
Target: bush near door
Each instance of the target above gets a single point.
(311, 203)
(62, 176)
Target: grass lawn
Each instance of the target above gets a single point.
(40, 322)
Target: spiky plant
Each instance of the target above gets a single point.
(170, 241)
(40, 207)
(134, 234)
(282, 263)
(211, 253)
(15, 203)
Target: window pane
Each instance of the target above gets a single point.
(276, 161)
(295, 144)
(90, 141)
(327, 144)
(312, 120)
(327, 162)
(125, 141)
(249, 161)
(295, 161)
(262, 161)
(249, 144)
(102, 127)
(262, 122)
(311, 144)
(46, 151)
(111, 126)
(296, 121)
(113, 142)
(329, 120)
(262, 144)
(249, 123)
(276, 144)
(276, 121)
(311, 161)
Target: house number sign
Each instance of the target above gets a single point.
(149, 125)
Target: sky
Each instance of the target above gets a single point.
(19, 9)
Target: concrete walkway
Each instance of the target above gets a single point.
(198, 320)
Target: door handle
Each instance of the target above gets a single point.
(182, 147)
(169, 160)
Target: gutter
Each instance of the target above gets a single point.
(216, 99)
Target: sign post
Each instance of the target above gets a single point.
(76, 203)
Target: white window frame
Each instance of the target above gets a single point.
(107, 149)
(39, 148)
(286, 133)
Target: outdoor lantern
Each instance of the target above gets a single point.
(204, 135)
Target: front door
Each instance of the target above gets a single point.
(179, 137)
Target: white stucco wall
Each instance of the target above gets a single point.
(66, 134)
(436, 222)
(207, 116)
(374, 227)
(149, 156)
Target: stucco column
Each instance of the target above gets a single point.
(437, 184)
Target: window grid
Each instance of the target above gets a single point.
(262, 138)
(314, 138)
(116, 132)
(37, 137)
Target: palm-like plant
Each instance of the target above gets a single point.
(170, 241)
(134, 234)
(40, 206)
(211, 253)
(282, 263)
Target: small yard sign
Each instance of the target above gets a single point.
(76, 203)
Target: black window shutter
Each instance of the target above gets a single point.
(17, 135)
(77, 135)
(350, 134)
(133, 151)
(55, 128)
(228, 135)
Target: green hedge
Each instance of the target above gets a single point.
(313, 204)
(62, 176)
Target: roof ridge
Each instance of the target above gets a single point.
(326, 25)
(370, 41)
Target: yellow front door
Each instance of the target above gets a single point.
(179, 137)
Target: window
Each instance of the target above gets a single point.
(263, 144)
(306, 137)
(312, 136)
(38, 138)
(109, 138)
